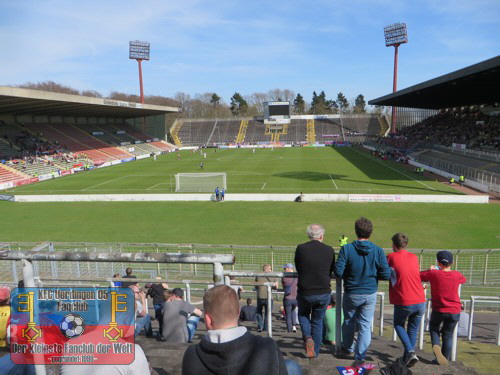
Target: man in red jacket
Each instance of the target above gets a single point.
(406, 294)
(445, 303)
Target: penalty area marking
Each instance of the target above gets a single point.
(160, 183)
(105, 182)
(395, 170)
(334, 184)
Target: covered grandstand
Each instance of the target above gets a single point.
(46, 134)
(463, 139)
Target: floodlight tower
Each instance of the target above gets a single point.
(139, 50)
(395, 35)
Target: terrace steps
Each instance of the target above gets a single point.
(311, 132)
(240, 138)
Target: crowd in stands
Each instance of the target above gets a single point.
(230, 347)
(463, 126)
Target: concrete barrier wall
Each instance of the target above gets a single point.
(205, 197)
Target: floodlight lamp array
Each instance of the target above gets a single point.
(139, 50)
(395, 34)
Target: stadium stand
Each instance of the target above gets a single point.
(328, 130)
(209, 132)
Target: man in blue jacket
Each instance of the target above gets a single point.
(361, 264)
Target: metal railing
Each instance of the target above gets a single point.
(482, 299)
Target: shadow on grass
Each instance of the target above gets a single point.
(319, 176)
(309, 176)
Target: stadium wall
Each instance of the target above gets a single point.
(354, 198)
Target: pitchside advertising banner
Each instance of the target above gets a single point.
(72, 326)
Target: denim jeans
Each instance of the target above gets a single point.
(159, 315)
(358, 313)
(143, 323)
(192, 324)
(290, 305)
(262, 320)
(292, 367)
(312, 311)
(412, 313)
(449, 322)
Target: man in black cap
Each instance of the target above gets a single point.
(445, 304)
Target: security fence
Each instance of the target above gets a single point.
(481, 267)
(490, 179)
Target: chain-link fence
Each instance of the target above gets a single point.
(481, 267)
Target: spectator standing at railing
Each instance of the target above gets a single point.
(446, 304)
(314, 261)
(407, 295)
(361, 264)
(262, 295)
(290, 297)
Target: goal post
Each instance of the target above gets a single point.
(199, 182)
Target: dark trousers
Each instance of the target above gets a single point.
(289, 305)
(448, 322)
(262, 320)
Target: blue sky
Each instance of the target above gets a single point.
(242, 46)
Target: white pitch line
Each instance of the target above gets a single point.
(334, 184)
(263, 186)
(102, 183)
(395, 170)
(160, 183)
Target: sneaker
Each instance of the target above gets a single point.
(310, 353)
(439, 355)
(259, 330)
(411, 359)
(294, 329)
(346, 353)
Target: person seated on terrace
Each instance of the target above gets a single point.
(229, 348)
(180, 318)
(143, 319)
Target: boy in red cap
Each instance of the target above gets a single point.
(445, 304)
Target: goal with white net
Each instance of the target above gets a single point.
(199, 182)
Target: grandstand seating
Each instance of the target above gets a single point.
(8, 174)
(328, 130)
(77, 140)
(207, 132)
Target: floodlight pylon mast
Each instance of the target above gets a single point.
(139, 50)
(394, 89)
(395, 35)
(140, 80)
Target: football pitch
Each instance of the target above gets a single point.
(281, 170)
(291, 170)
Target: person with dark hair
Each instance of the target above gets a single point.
(157, 293)
(407, 295)
(290, 297)
(128, 275)
(262, 313)
(230, 349)
(176, 312)
(361, 264)
(248, 313)
(445, 304)
(314, 261)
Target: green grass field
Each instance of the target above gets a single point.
(284, 170)
(321, 170)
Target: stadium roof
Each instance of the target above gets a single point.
(18, 101)
(474, 85)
